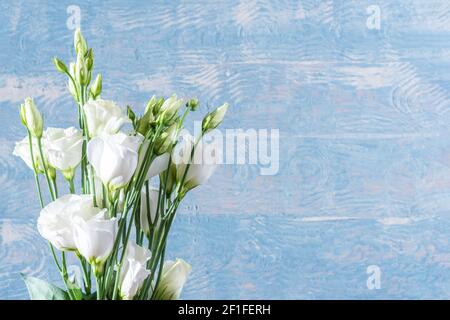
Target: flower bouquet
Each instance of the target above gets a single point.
(117, 216)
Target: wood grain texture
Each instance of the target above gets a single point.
(364, 126)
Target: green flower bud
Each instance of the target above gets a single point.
(166, 140)
(171, 178)
(169, 109)
(90, 59)
(60, 66)
(81, 72)
(31, 118)
(96, 87)
(151, 104)
(213, 119)
(193, 104)
(51, 172)
(148, 118)
(79, 42)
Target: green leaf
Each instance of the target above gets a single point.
(41, 290)
(75, 291)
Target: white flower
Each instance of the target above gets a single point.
(138, 253)
(153, 205)
(103, 116)
(94, 238)
(114, 158)
(31, 118)
(22, 150)
(173, 278)
(202, 164)
(158, 165)
(55, 222)
(134, 270)
(64, 149)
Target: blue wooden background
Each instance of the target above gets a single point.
(358, 89)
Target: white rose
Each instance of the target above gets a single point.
(153, 205)
(64, 149)
(94, 238)
(134, 270)
(173, 278)
(22, 150)
(55, 222)
(103, 116)
(114, 158)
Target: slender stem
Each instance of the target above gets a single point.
(71, 186)
(45, 169)
(86, 274)
(99, 287)
(65, 275)
(161, 264)
(38, 187)
(41, 202)
(127, 236)
(55, 187)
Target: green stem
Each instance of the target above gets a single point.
(49, 183)
(55, 187)
(127, 236)
(71, 186)
(99, 287)
(161, 265)
(65, 276)
(52, 249)
(38, 187)
(86, 274)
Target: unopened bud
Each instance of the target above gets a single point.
(60, 66)
(213, 119)
(96, 87)
(79, 42)
(193, 104)
(31, 118)
(81, 72)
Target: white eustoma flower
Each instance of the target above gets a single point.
(158, 165)
(173, 278)
(63, 148)
(94, 238)
(152, 205)
(103, 116)
(22, 150)
(55, 222)
(114, 158)
(201, 166)
(134, 270)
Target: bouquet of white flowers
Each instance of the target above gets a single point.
(117, 225)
